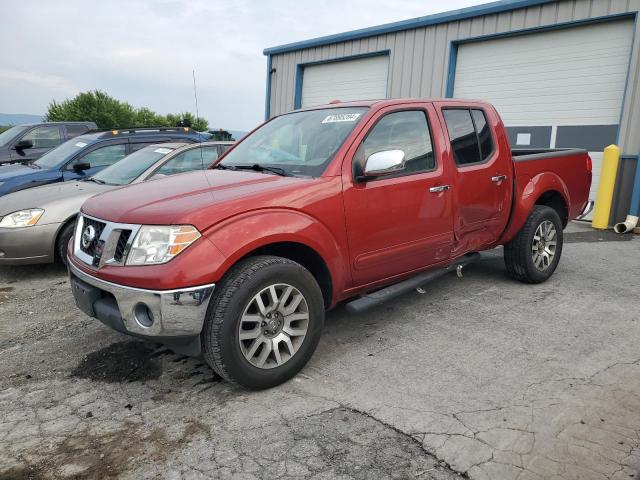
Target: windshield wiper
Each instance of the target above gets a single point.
(224, 167)
(95, 180)
(263, 168)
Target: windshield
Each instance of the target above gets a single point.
(62, 152)
(129, 168)
(299, 143)
(8, 135)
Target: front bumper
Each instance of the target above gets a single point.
(22, 246)
(160, 315)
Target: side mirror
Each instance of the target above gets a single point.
(79, 167)
(384, 163)
(23, 145)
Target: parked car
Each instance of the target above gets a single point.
(86, 155)
(36, 224)
(25, 143)
(355, 201)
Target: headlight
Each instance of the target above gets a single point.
(22, 218)
(159, 244)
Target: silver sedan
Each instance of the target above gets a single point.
(36, 224)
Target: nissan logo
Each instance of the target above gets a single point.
(88, 236)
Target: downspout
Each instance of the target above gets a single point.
(634, 210)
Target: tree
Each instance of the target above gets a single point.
(108, 112)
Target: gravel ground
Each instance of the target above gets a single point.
(480, 377)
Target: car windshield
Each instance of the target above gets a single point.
(8, 135)
(131, 167)
(298, 143)
(62, 152)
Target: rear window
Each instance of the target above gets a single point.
(75, 130)
(470, 135)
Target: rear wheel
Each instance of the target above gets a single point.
(533, 255)
(264, 322)
(63, 241)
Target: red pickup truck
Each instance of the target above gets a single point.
(354, 202)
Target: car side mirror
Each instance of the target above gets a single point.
(79, 167)
(384, 163)
(23, 145)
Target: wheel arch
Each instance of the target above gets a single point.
(546, 188)
(288, 234)
(63, 224)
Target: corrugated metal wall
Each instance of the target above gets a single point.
(419, 57)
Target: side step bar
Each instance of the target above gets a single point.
(370, 300)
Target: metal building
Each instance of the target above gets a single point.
(562, 73)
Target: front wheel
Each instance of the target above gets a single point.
(533, 255)
(264, 322)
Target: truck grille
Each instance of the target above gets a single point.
(121, 246)
(98, 227)
(100, 242)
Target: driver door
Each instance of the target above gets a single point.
(402, 222)
(97, 159)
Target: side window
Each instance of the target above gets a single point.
(188, 161)
(102, 157)
(44, 137)
(484, 133)
(462, 134)
(75, 130)
(407, 131)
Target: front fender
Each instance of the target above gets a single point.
(528, 191)
(242, 234)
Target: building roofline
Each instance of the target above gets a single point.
(443, 17)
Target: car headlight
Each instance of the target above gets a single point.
(21, 218)
(159, 244)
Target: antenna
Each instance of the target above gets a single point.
(195, 96)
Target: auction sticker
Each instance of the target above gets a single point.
(163, 151)
(81, 144)
(341, 117)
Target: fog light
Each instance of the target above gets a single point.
(144, 315)
(2, 254)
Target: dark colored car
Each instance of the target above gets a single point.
(86, 155)
(25, 143)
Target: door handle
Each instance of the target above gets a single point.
(439, 188)
(498, 178)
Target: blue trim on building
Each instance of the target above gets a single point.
(453, 46)
(267, 103)
(634, 205)
(626, 81)
(297, 98)
(444, 17)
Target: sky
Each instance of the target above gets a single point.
(144, 51)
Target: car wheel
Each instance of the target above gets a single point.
(263, 323)
(63, 241)
(533, 255)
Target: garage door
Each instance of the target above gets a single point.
(360, 79)
(561, 88)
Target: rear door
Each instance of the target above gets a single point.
(403, 222)
(483, 174)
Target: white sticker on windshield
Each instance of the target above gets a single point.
(163, 151)
(341, 117)
(81, 144)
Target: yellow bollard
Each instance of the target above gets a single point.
(602, 208)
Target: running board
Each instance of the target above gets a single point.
(370, 300)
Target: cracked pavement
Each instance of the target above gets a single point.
(480, 377)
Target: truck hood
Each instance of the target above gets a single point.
(199, 198)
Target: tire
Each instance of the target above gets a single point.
(520, 253)
(63, 241)
(235, 310)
